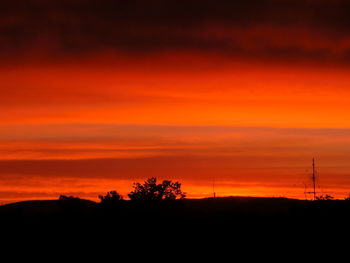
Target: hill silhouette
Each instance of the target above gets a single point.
(227, 210)
(169, 223)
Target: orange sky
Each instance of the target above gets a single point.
(82, 129)
(96, 95)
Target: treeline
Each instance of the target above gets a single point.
(149, 190)
(166, 190)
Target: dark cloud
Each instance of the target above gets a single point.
(184, 167)
(82, 27)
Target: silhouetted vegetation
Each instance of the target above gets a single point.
(110, 197)
(324, 197)
(150, 190)
(72, 205)
(65, 198)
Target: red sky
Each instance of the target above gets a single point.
(93, 100)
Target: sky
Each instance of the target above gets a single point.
(98, 94)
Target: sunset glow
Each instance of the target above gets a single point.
(93, 100)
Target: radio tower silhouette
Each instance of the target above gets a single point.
(313, 178)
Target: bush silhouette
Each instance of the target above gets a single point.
(324, 197)
(110, 197)
(64, 198)
(150, 190)
(71, 204)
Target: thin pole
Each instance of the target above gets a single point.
(214, 188)
(314, 177)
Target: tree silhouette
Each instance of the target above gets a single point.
(110, 197)
(150, 190)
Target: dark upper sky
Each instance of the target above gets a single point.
(316, 30)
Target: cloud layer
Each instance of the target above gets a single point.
(90, 158)
(313, 30)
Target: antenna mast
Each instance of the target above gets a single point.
(214, 194)
(314, 177)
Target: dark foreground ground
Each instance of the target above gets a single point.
(198, 227)
(229, 213)
(183, 226)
